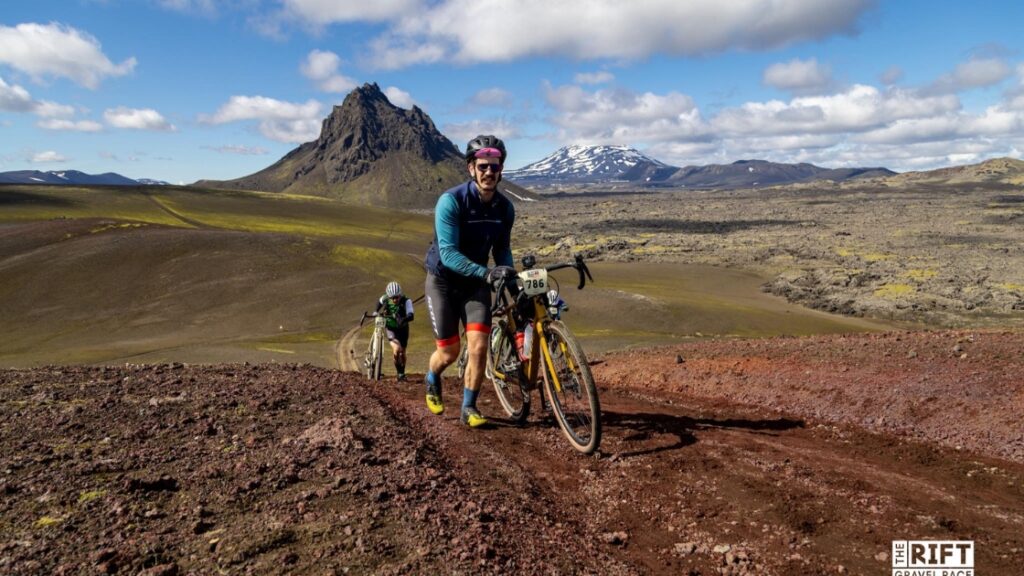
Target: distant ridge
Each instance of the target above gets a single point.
(369, 152)
(1004, 170)
(622, 165)
(746, 173)
(74, 178)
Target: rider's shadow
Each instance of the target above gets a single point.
(641, 427)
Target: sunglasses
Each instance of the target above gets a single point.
(493, 167)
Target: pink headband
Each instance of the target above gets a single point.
(487, 153)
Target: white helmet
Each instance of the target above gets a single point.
(393, 289)
(552, 296)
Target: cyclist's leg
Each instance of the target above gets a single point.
(477, 310)
(399, 338)
(444, 319)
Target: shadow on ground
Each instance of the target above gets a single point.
(641, 427)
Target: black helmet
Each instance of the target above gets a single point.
(484, 142)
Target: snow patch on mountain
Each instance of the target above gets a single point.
(583, 164)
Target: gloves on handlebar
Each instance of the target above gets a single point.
(499, 273)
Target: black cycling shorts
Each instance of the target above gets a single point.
(467, 301)
(399, 334)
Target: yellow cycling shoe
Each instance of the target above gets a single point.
(472, 418)
(434, 403)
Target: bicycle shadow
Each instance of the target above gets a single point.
(643, 426)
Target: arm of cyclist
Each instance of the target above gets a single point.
(446, 223)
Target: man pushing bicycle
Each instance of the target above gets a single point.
(472, 222)
(399, 312)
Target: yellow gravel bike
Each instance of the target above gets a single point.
(555, 357)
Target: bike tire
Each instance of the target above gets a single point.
(575, 404)
(463, 357)
(368, 358)
(378, 361)
(509, 383)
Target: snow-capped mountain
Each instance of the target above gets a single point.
(72, 177)
(589, 164)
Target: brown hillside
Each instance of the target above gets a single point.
(1003, 170)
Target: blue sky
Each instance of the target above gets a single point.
(181, 90)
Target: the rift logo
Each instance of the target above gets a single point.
(933, 558)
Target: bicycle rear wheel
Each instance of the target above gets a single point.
(506, 373)
(571, 390)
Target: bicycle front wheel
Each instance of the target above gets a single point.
(506, 373)
(378, 360)
(571, 389)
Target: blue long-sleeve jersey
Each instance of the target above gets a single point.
(467, 232)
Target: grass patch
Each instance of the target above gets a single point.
(47, 521)
(921, 274)
(90, 495)
(894, 290)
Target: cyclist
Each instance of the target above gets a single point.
(472, 222)
(399, 312)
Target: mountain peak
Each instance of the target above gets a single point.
(369, 151)
(587, 164)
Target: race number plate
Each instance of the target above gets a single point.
(535, 281)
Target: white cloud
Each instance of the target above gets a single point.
(322, 68)
(278, 120)
(600, 29)
(624, 117)
(15, 98)
(602, 77)
(201, 7)
(262, 108)
(891, 76)
(859, 108)
(46, 109)
(399, 97)
(975, 73)
(239, 149)
(48, 156)
(322, 12)
(137, 119)
(44, 50)
(463, 132)
(799, 76)
(65, 125)
(491, 98)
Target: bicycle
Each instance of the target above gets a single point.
(373, 360)
(568, 383)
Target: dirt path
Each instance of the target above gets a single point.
(166, 209)
(688, 485)
(345, 350)
(707, 466)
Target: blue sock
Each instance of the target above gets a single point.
(469, 398)
(432, 379)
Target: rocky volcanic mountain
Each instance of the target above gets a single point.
(591, 164)
(72, 177)
(369, 152)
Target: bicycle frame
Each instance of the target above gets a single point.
(539, 346)
(542, 316)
